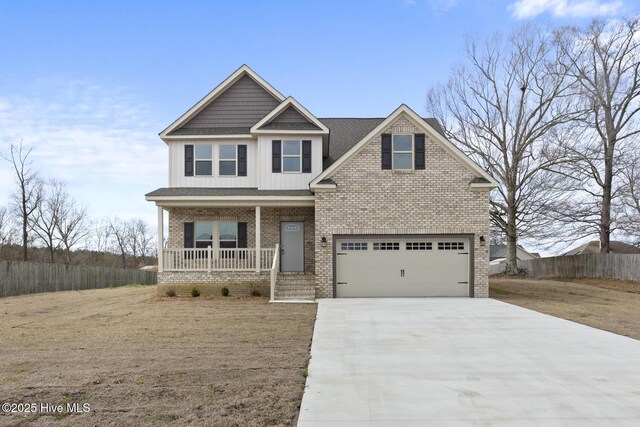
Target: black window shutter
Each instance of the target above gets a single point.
(188, 235)
(242, 234)
(386, 151)
(418, 160)
(242, 160)
(276, 156)
(306, 156)
(188, 160)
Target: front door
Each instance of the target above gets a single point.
(292, 246)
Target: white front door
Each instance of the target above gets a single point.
(292, 246)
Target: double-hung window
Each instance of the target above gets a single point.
(402, 151)
(204, 159)
(228, 235)
(291, 156)
(228, 160)
(203, 234)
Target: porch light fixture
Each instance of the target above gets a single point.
(323, 242)
(482, 241)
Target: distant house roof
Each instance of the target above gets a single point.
(593, 247)
(500, 251)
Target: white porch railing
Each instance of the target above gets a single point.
(275, 268)
(209, 259)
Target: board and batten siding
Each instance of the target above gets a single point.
(287, 181)
(241, 105)
(176, 166)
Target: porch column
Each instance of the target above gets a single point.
(258, 254)
(160, 236)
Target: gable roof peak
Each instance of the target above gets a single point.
(243, 70)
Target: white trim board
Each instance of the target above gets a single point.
(419, 122)
(218, 90)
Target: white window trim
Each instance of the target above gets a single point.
(282, 156)
(220, 159)
(393, 151)
(195, 161)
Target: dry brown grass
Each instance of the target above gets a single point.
(142, 360)
(611, 305)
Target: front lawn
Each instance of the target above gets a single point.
(605, 304)
(137, 359)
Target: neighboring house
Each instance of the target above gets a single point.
(594, 248)
(497, 252)
(356, 207)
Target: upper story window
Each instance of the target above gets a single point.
(402, 151)
(204, 159)
(232, 159)
(228, 160)
(291, 156)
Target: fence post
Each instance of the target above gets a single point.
(209, 259)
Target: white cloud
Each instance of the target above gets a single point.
(523, 9)
(102, 141)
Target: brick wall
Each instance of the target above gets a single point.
(369, 200)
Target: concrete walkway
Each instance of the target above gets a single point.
(465, 362)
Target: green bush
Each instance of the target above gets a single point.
(171, 292)
(225, 291)
(195, 292)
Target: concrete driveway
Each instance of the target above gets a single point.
(465, 362)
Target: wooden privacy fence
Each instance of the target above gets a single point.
(18, 277)
(615, 266)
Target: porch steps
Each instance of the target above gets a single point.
(295, 286)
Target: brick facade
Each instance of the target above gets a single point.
(369, 200)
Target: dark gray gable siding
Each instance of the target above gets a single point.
(290, 119)
(241, 106)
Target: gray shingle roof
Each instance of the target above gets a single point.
(205, 191)
(345, 133)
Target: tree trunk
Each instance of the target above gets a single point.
(605, 215)
(511, 267)
(25, 236)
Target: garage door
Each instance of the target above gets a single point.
(401, 266)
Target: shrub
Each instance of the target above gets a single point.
(195, 292)
(171, 292)
(256, 293)
(225, 291)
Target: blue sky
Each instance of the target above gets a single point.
(89, 84)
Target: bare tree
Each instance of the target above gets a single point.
(139, 239)
(71, 226)
(119, 232)
(604, 60)
(507, 109)
(630, 200)
(44, 222)
(28, 196)
(6, 229)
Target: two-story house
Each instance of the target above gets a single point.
(263, 196)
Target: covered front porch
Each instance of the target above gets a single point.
(232, 242)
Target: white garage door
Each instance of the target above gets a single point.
(401, 266)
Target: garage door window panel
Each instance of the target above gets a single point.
(386, 246)
(450, 246)
(419, 246)
(354, 246)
